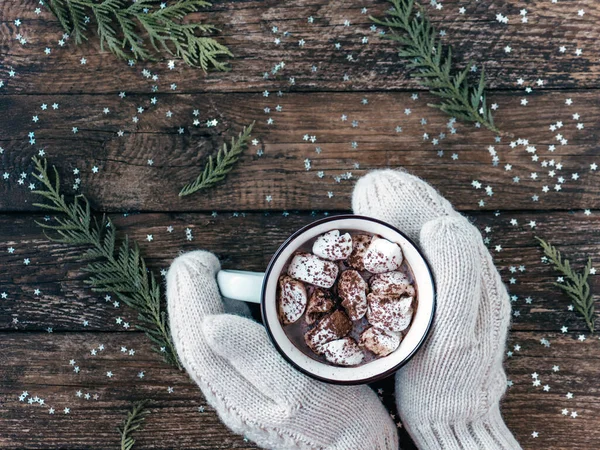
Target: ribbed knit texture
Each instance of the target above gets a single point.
(253, 389)
(448, 395)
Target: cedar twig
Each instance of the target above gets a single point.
(576, 284)
(134, 420)
(120, 26)
(121, 271)
(226, 158)
(432, 66)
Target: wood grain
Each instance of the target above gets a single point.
(176, 422)
(246, 230)
(247, 29)
(65, 302)
(126, 182)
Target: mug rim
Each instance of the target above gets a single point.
(301, 231)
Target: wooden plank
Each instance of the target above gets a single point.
(527, 408)
(126, 181)
(247, 29)
(37, 361)
(65, 303)
(39, 364)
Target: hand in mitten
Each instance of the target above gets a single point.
(253, 389)
(448, 395)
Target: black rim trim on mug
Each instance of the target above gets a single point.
(328, 380)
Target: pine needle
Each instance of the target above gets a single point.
(120, 25)
(432, 66)
(226, 158)
(121, 271)
(134, 420)
(576, 285)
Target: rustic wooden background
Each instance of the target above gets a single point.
(247, 228)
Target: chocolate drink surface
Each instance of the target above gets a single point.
(346, 297)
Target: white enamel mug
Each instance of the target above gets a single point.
(261, 288)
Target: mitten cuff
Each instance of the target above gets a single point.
(489, 432)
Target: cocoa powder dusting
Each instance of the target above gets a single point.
(358, 316)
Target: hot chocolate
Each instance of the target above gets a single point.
(346, 298)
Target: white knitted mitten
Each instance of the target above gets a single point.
(448, 395)
(254, 390)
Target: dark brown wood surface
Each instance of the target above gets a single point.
(268, 197)
(280, 172)
(247, 30)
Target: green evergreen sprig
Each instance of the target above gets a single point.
(134, 420)
(575, 285)
(120, 24)
(121, 271)
(226, 158)
(432, 66)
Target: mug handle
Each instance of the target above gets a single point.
(241, 285)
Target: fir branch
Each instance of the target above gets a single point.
(122, 272)
(432, 66)
(134, 420)
(119, 25)
(226, 158)
(576, 285)
(61, 12)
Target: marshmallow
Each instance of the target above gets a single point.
(313, 270)
(343, 352)
(331, 327)
(360, 243)
(393, 314)
(352, 289)
(382, 256)
(379, 341)
(319, 302)
(292, 299)
(332, 246)
(391, 284)
(370, 285)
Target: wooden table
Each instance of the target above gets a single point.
(50, 317)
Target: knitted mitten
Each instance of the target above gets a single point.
(254, 390)
(448, 395)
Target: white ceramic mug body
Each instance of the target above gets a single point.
(238, 285)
